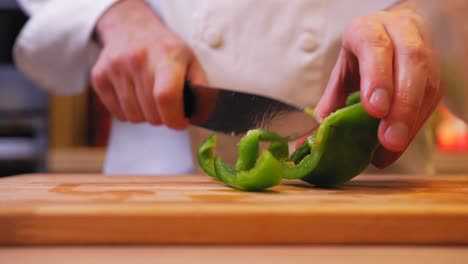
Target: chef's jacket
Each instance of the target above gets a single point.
(283, 49)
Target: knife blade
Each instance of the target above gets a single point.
(234, 113)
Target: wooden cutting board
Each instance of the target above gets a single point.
(96, 209)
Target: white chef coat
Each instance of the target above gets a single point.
(284, 49)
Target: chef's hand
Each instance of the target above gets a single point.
(387, 55)
(141, 69)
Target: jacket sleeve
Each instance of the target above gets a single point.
(55, 48)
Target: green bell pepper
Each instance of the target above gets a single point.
(252, 172)
(340, 149)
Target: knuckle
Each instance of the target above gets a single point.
(163, 97)
(97, 76)
(99, 81)
(378, 40)
(114, 63)
(406, 106)
(136, 57)
(369, 31)
(173, 48)
(416, 52)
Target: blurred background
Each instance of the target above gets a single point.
(43, 133)
(24, 108)
(38, 132)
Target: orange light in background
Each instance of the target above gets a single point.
(452, 133)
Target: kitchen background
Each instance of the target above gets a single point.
(40, 133)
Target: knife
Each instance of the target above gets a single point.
(234, 113)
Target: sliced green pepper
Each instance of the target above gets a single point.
(340, 149)
(251, 172)
(206, 156)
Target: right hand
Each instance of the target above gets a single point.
(139, 75)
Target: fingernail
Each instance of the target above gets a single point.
(379, 100)
(397, 135)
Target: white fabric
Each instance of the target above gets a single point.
(285, 50)
(145, 149)
(55, 48)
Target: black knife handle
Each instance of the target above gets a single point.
(189, 100)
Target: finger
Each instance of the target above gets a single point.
(432, 91)
(205, 99)
(432, 95)
(168, 94)
(338, 86)
(125, 91)
(105, 91)
(411, 73)
(369, 41)
(143, 80)
(384, 158)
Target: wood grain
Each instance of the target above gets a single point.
(96, 209)
(258, 254)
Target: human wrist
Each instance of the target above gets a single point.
(121, 16)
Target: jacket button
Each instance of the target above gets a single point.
(213, 38)
(307, 42)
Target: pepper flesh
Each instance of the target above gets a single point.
(251, 172)
(266, 173)
(205, 156)
(340, 149)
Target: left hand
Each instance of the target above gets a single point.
(387, 55)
